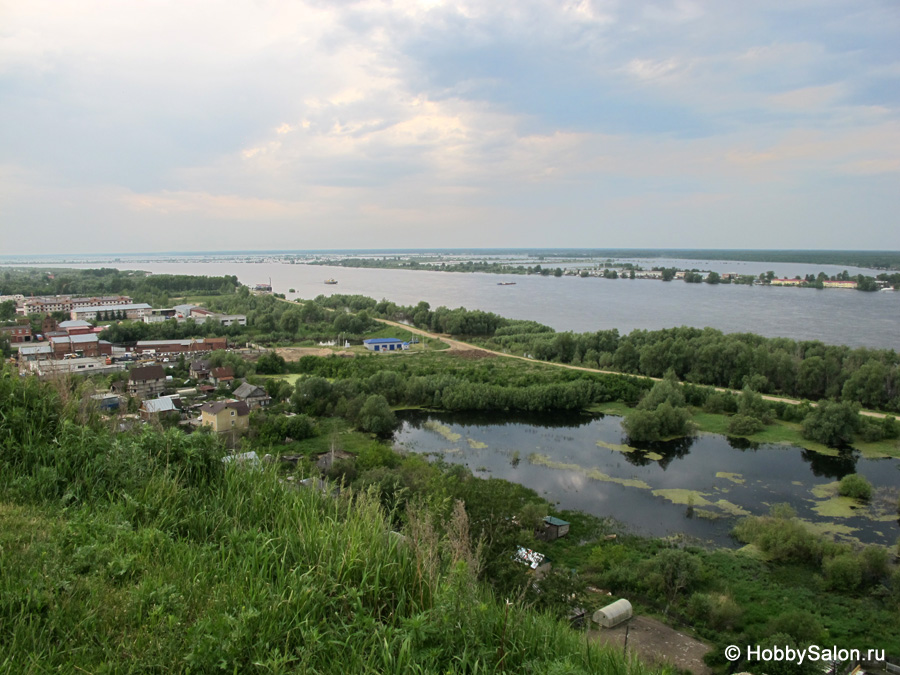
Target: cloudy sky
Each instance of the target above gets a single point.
(166, 125)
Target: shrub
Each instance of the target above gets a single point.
(843, 572)
(856, 486)
(743, 425)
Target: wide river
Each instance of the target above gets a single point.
(571, 303)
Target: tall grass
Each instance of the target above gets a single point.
(141, 553)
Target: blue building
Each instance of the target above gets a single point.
(385, 344)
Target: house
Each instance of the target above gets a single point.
(225, 416)
(17, 334)
(175, 347)
(35, 353)
(154, 408)
(221, 375)
(554, 528)
(129, 311)
(199, 369)
(79, 327)
(385, 344)
(254, 396)
(232, 319)
(146, 381)
(69, 346)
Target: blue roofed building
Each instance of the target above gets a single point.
(385, 344)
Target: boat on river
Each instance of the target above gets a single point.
(331, 282)
(506, 283)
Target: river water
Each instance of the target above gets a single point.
(582, 463)
(833, 316)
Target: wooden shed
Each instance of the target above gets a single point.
(554, 528)
(613, 614)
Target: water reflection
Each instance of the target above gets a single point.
(739, 443)
(832, 467)
(661, 453)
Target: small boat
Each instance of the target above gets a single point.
(506, 283)
(331, 281)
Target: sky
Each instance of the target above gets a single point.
(176, 125)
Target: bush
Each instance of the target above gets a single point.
(856, 486)
(843, 572)
(743, 425)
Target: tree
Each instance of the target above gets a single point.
(7, 310)
(833, 424)
(674, 571)
(376, 416)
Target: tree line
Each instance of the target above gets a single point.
(802, 369)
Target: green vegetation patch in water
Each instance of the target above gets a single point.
(594, 474)
(616, 447)
(733, 477)
(476, 445)
(442, 430)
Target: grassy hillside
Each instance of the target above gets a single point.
(143, 553)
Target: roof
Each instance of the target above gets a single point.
(35, 349)
(75, 339)
(161, 404)
(246, 390)
(156, 343)
(114, 308)
(200, 364)
(221, 373)
(552, 520)
(75, 323)
(382, 341)
(144, 373)
(239, 407)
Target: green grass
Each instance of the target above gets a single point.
(144, 554)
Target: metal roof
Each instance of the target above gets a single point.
(113, 308)
(35, 349)
(375, 341)
(552, 520)
(161, 404)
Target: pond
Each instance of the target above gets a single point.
(696, 486)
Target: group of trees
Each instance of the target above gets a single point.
(802, 369)
(661, 414)
(108, 281)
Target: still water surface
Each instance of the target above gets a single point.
(646, 490)
(571, 303)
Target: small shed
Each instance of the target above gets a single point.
(613, 614)
(554, 528)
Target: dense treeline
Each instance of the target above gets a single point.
(143, 552)
(269, 321)
(342, 387)
(107, 281)
(803, 369)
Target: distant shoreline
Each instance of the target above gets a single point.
(875, 260)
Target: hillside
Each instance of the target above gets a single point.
(143, 553)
